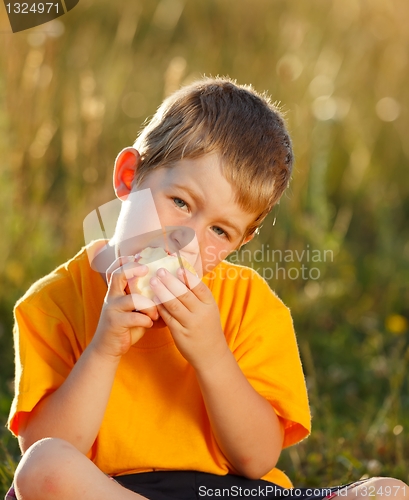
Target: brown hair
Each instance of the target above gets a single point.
(241, 125)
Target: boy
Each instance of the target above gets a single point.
(200, 389)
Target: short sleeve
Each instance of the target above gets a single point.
(44, 356)
(267, 353)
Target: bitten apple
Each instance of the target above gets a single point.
(154, 259)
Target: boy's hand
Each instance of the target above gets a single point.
(120, 326)
(192, 316)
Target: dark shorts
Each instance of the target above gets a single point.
(192, 485)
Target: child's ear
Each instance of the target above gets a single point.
(126, 166)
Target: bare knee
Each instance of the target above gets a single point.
(377, 488)
(390, 487)
(41, 472)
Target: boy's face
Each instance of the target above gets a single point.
(192, 195)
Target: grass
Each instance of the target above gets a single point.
(8, 462)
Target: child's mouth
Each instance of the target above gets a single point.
(174, 254)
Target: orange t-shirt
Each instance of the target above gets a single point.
(156, 418)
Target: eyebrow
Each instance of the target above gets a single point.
(198, 198)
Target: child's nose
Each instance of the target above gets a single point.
(182, 237)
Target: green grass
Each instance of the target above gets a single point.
(9, 457)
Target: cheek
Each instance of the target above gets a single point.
(161, 208)
(168, 213)
(212, 254)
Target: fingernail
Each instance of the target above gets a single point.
(154, 281)
(135, 272)
(161, 272)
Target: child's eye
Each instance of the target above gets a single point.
(220, 231)
(180, 203)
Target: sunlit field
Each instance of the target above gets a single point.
(75, 91)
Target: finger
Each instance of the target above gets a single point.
(141, 303)
(119, 262)
(164, 297)
(177, 288)
(120, 277)
(138, 303)
(137, 319)
(162, 293)
(199, 289)
(145, 305)
(138, 324)
(173, 306)
(173, 284)
(187, 277)
(164, 313)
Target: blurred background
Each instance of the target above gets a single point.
(75, 91)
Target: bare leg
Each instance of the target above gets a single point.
(53, 468)
(377, 488)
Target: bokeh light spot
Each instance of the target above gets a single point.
(388, 109)
(289, 67)
(396, 324)
(90, 175)
(321, 85)
(397, 430)
(133, 104)
(324, 108)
